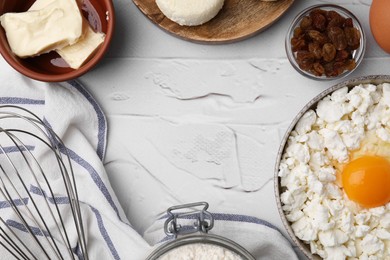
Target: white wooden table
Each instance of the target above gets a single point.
(191, 122)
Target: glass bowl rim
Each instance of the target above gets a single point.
(358, 54)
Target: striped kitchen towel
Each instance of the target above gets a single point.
(78, 120)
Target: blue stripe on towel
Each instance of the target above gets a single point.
(88, 167)
(102, 125)
(65, 200)
(78, 252)
(14, 149)
(104, 233)
(95, 177)
(101, 146)
(36, 231)
(58, 200)
(17, 202)
(242, 218)
(102, 130)
(19, 100)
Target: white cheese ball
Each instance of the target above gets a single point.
(190, 12)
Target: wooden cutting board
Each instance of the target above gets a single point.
(238, 19)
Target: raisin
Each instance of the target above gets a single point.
(306, 23)
(315, 49)
(353, 37)
(318, 69)
(298, 32)
(324, 42)
(335, 20)
(319, 11)
(339, 67)
(298, 44)
(350, 64)
(329, 71)
(348, 23)
(337, 37)
(328, 52)
(317, 36)
(305, 60)
(319, 21)
(342, 55)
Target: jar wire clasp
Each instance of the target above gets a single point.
(180, 216)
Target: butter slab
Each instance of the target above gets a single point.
(33, 33)
(77, 54)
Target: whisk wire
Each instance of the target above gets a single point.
(58, 147)
(17, 173)
(5, 193)
(10, 243)
(15, 245)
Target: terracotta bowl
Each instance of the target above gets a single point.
(373, 79)
(51, 67)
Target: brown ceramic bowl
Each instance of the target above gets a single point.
(373, 79)
(51, 67)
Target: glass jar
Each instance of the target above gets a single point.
(196, 234)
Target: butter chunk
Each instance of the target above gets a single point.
(77, 54)
(40, 4)
(33, 33)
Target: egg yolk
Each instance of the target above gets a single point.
(366, 180)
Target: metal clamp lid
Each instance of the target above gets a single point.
(204, 221)
(180, 221)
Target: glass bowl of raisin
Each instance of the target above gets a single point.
(325, 42)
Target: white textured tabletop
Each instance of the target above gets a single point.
(203, 122)
(192, 122)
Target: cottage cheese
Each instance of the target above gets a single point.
(190, 12)
(200, 251)
(320, 213)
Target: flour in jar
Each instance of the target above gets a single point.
(200, 251)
